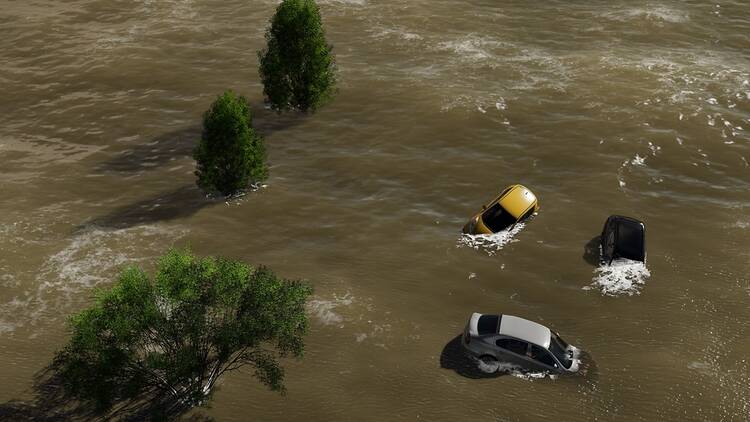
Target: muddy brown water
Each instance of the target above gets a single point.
(639, 108)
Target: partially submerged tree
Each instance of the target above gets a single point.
(297, 67)
(168, 339)
(230, 155)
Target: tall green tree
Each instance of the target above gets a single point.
(169, 338)
(230, 155)
(297, 67)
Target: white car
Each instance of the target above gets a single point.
(520, 342)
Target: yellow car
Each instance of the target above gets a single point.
(515, 204)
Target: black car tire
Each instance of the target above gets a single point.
(488, 360)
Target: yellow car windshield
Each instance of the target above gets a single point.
(496, 218)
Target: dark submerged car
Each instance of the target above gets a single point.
(623, 237)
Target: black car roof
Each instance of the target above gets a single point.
(622, 218)
(631, 238)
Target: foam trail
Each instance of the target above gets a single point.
(622, 277)
(511, 369)
(491, 243)
(324, 309)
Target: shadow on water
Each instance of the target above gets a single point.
(591, 253)
(52, 403)
(267, 122)
(454, 357)
(156, 153)
(179, 144)
(179, 203)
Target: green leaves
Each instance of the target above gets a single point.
(297, 67)
(230, 155)
(170, 339)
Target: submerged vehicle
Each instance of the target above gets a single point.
(520, 342)
(515, 204)
(623, 237)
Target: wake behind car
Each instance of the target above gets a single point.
(623, 237)
(515, 204)
(520, 342)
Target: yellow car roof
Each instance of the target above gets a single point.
(518, 200)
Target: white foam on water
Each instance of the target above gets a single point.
(705, 86)
(702, 367)
(471, 48)
(512, 369)
(490, 243)
(481, 103)
(376, 330)
(6, 328)
(539, 67)
(183, 10)
(659, 14)
(621, 172)
(95, 254)
(91, 257)
(623, 277)
(83, 262)
(323, 309)
(398, 33)
(655, 149)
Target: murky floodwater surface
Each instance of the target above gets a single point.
(640, 109)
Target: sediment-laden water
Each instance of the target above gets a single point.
(641, 109)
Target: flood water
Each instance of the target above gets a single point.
(641, 109)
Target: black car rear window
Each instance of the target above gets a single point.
(516, 346)
(496, 218)
(487, 324)
(630, 241)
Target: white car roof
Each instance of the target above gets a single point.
(525, 330)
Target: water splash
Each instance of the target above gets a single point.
(92, 257)
(658, 15)
(622, 277)
(323, 309)
(490, 243)
(512, 369)
(638, 160)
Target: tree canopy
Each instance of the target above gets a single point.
(168, 338)
(230, 155)
(297, 67)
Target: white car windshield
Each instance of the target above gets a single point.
(559, 347)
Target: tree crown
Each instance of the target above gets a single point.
(171, 337)
(297, 67)
(230, 155)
